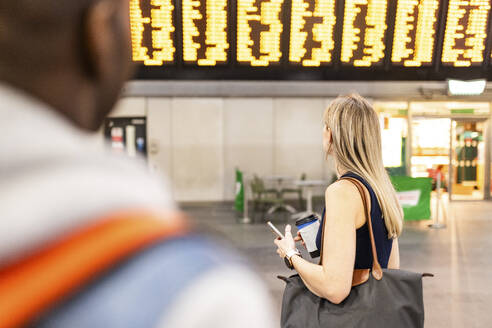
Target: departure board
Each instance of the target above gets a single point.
(259, 30)
(312, 39)
(312, 28)
(415, 32)
(364, 28)
(466, 31)
(205, 41)
(152, 29)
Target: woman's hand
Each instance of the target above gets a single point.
(286, 244)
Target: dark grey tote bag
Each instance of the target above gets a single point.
(378, 298)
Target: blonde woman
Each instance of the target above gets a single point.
(351, 134)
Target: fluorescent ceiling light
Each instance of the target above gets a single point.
(466, 88)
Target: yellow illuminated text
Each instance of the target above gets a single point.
(311, 33)
(466, 30)
(415, 31)
(259, 30)
(160, 21)
(205, 32)
(364, 27)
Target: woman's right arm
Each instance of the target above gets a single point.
(394, 260)
(333, 280)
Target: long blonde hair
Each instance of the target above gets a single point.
(356, 146)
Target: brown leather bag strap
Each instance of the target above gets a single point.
(377, 272)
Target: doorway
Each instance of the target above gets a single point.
(430, 146)
(466, 177)
(454, 149)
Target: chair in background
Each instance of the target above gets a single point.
(263, 198)
(297, 191)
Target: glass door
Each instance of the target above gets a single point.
(467, 155)
(430, 146)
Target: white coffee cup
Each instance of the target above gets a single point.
(308, 228)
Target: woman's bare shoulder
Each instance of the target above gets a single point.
(342, 189)
(343, 202)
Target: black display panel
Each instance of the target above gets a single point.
(415, 33)
(466, 32)
(205, 32)
(311, 39)
(259, 32)
(153, 31)
(364, 33)
(312, 31)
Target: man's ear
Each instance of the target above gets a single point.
(98, 38)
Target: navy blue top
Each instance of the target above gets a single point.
(363, 254)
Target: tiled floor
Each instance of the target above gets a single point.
(460, 256)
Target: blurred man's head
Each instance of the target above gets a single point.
(75, 55)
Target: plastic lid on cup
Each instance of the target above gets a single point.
(307, 219)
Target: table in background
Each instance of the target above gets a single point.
(307, 186)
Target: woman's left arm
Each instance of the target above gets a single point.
(333, 279)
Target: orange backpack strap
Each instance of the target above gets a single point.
(30, 286)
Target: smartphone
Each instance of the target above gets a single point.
(275, 230)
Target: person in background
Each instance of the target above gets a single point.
(434, 173)
(351, 135)
(62, 67)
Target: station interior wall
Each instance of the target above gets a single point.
(198, 142)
